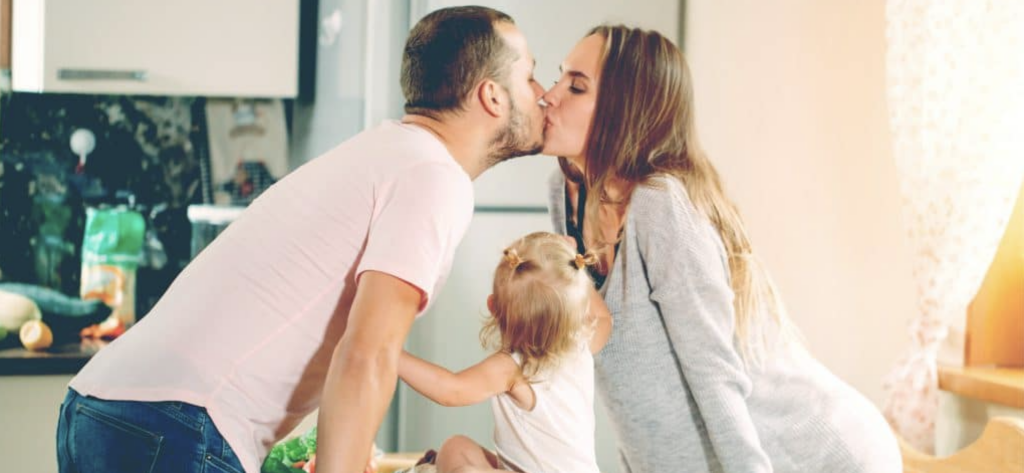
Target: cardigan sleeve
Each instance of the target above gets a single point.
(689, 282)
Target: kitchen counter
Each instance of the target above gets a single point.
(392, 462)
(60, 359)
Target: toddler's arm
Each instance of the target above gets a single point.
(494, 375)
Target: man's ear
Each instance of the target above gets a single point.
(491, 95)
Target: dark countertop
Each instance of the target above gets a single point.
(59, 359)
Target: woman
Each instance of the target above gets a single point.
(702, 372)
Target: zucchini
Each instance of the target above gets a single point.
(55, 302)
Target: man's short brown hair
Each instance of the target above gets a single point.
(448, 52)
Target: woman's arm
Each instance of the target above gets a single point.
(492, 376)
(689, 283)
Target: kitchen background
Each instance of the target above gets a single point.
(144, 149)
(792, 109)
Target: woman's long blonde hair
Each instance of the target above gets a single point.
(541, 301)
(643, 126)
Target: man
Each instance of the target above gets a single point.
(307, 298)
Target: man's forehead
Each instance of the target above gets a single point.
(515, 39)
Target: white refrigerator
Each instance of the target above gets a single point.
(511, 200)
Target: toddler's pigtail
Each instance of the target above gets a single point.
(512, 258)
(584, 260)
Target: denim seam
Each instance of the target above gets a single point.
(63, 434)
(156, 454)
(182, 418)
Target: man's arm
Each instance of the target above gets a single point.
(492, 376)
(363, 372)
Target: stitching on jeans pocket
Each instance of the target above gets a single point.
(125, 427)
(117, 423)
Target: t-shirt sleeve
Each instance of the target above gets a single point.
(418, 219)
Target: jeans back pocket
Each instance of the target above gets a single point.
(92, 434)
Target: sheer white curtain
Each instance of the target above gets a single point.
(955, 86)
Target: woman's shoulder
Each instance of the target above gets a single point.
(660, 193)
(556, 180)
(556, 199)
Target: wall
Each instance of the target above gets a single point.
(791, 107)
(345, 77)
(28, 414)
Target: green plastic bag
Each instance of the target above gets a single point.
(287, 453)
(111, 250)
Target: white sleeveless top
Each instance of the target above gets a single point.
(557, 436)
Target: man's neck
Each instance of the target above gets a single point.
(465, 140)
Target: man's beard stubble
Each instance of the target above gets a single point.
(512, 141)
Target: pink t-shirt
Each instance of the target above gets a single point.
(248, 328)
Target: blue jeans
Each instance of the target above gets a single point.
(98, 436)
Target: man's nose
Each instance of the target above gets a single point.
(538, 91)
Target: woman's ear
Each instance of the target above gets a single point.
(490, 95)
(490, 304)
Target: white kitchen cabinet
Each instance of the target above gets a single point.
(235, 48)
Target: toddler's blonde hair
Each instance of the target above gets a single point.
(540, 305)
